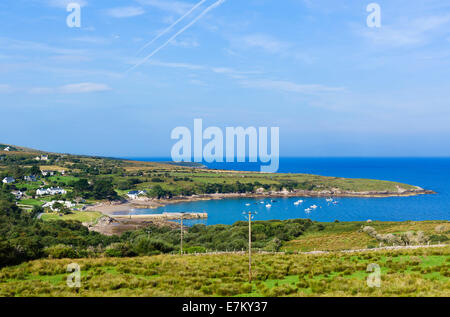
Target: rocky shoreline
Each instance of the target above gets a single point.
(117, 218)
(113, 208)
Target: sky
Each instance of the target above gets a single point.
(122, 81)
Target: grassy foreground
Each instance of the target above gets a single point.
(419, 272)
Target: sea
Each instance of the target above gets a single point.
(428, 173)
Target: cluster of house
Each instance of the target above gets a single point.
(134, 194)
(50, 191)
(50, 204)
(30, 178)
(41, 158)
(47, 173)
(17, 193)
(8, 180)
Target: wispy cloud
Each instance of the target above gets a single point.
(266, 43)
(177, 7)
(92, 40)
(270, 45)
(79, 88)
(64, 3)
(288, 86)
(407, 32)
(82, 88)
(125, 12)
(204, 12)
(12, 44)
(6, 89)
(217, 70)
(171, 26)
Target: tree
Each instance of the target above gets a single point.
(104, 189)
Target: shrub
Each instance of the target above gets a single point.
(119, 250)
(61, 251)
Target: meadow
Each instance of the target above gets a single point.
(418, 272)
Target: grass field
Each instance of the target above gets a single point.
(82, 216)
(420, 272)
(347, 235)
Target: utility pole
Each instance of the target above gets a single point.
(148, 233)
(181, 233)
(250, 216)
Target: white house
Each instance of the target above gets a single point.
(50, 191)
(8, 180)
(41, 158)
(45, 173)
(30, 178)
(134, 194)
(17, 193)
(7, 149)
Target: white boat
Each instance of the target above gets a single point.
(300, 201)
(329, 200)
(247, 204)
(261, 202)
(308, 210)
(296, 203)
(313, 207)
(268, 205)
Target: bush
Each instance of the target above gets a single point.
(61, 251)
(119, 250)
(194, 250)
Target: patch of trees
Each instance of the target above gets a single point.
(101, 188)
(24, 238)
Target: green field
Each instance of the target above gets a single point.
(420, 272)
(82, 216)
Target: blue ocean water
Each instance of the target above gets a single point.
(428, 173)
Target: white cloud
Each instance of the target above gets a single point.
(83, 88)
(177, 7)
(289, 86)
(63, 3)
(92, 40)
(218, 70)
(80, 88)
(265, 42)
(271, 45)
(125, 12)
(176, 65)
(186, 43)
(41, 90)
(197, 82)
(12, 44)
(6, 89)
(407, 32)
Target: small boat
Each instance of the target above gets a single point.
(335, 202)
(329, 200)
(313, 207)
(296, 203)
(308, 210)
(268, 205)
(261, 202)
(247, 204)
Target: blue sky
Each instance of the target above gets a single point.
(334, 86)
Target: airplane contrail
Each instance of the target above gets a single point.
(213, 6)
(170, 27)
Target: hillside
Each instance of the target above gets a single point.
(417, 272)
